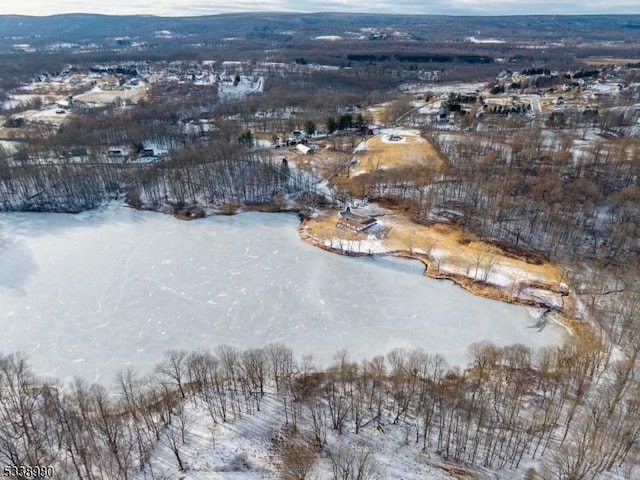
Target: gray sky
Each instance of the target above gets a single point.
(208, 7)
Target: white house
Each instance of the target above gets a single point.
(304, 149)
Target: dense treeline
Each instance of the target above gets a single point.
(206, 173)
(309, 94)
(532, 189)
(421, 58)
(70, 168)
(19, 69)
(509, 407)
(527, 193)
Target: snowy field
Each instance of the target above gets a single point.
(229, 90)
(98, 96)
(93, 293)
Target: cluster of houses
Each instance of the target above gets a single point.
(299, 139)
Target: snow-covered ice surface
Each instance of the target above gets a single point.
(93, 293)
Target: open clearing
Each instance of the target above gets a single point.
(132, 95)
(608, 60)
(393, 150)
(396, 150)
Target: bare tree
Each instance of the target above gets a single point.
(173, 368)
(352, 462)
(175, 435)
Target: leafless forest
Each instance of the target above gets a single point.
(542, 186)
(509, 404)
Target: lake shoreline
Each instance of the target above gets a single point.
(554, 305)
(155, 282)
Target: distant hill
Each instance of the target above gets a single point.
(40, 31)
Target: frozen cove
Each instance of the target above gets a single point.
(97, 292)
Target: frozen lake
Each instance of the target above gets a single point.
(92, 293)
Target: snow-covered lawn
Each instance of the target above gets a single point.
(400, 132)
(462, 88)
(246, 86)
(240, 448)
(484, 40)
(54, 115)
(100, 96)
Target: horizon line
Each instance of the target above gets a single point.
(289, 12)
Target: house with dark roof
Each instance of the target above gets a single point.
(355, 222)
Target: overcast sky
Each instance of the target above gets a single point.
(209, 7)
